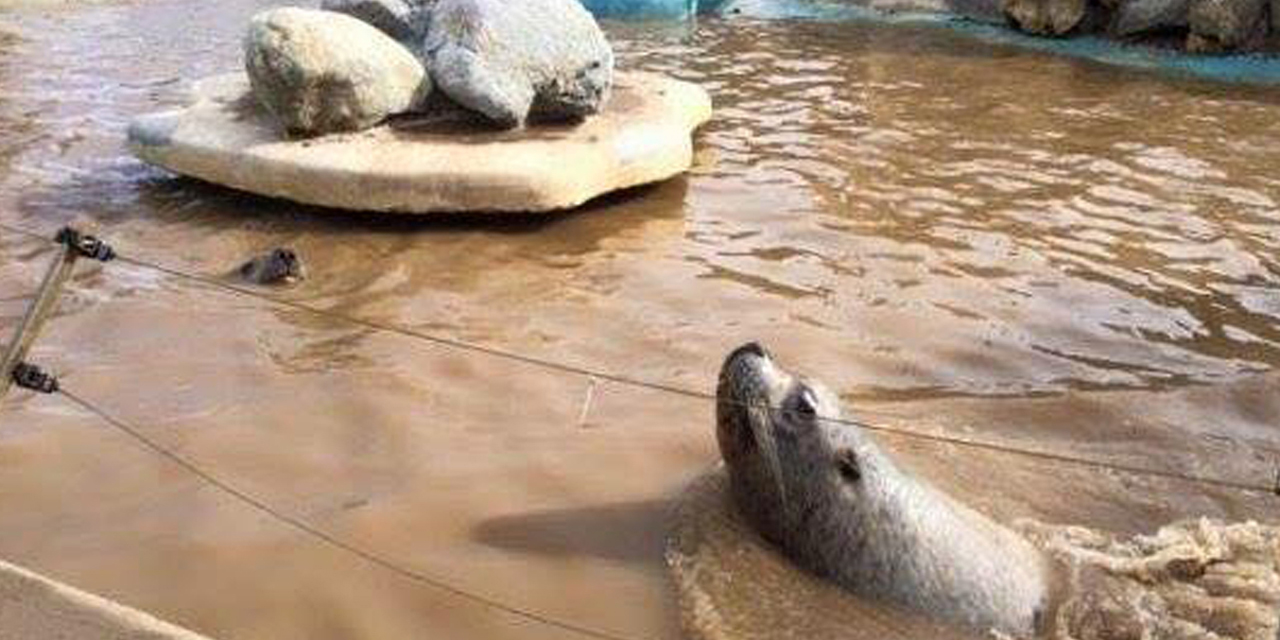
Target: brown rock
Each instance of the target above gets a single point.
(1145, 16)
(1045, 17)
(1220, 26)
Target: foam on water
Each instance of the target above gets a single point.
(1192, 580)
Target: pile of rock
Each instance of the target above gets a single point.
(1201, 26)
(353, 63)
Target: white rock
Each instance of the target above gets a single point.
(513, 59)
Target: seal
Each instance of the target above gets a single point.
(278, 266)
(821, 490)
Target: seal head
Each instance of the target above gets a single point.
(278, 266)
(821, 490)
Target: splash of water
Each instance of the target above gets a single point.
(1192, 580)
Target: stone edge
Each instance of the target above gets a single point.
(582, 190)
(60, 610)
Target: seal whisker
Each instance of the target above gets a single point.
(769, 447)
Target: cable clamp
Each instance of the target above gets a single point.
(29, 376)
(86, 245)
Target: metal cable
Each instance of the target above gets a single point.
(325, 537)
(590, 374)
(375, 559)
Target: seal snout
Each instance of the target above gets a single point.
(746, 398)
(749, 349)
(742, 387)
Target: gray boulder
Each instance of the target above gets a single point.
(1219, 26)
(1045, 17)
(319, 71)
(1133, 17)
(515, 59)
(404, 20)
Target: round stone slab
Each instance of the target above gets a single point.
(426, 164)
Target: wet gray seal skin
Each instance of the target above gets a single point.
(837, 505)
(278, 266)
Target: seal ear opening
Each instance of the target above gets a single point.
(848, 466)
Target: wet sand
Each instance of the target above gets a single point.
(990, 242)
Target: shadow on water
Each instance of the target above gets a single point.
(630, 532)
(157, 198)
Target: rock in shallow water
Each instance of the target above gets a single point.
(510, 61)
(320, 71)
(1219, 26)
(430, 163)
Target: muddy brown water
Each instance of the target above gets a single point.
(959, 238)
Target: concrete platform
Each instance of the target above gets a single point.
(442, 163)
(32, 606)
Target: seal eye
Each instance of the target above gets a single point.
(847, 465)
(807, 404)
